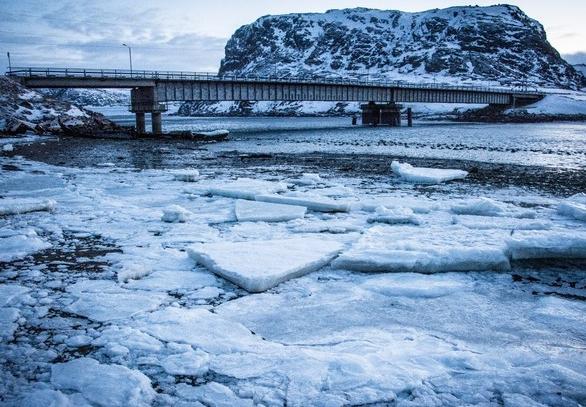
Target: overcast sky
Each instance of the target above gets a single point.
(190, 34)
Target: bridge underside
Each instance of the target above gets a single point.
(150, 95)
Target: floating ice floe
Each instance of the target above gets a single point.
(422, 175)
(15, 206)
(8, 323)
(414, 285)
(547, 245)
(574, 207)
(8, 148)
(213, 133)
(175, 214)
(213, 394)
(503, 222)
(19, 245)
(311, 202)
(173, 280)
(186, 175)
(259, 265)
(199, 328)
(479, 206)
(48, 397)
(437, 249)
(10, 294)
(309, 179)
(128, 337)
(191, 363)
(107, 302)
(103, 385)
(394, 216)
(246, 188)
(252, 211)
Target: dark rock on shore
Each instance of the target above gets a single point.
(24, 110)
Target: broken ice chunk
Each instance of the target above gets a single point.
(15, 206)
(422, 175)
(259, 265)
(479, 206)
(246, 188)
(574, 207)
(103, 385)
(192, 363)
(252, 211)
(394, 216)
(311, 202)
(18, 246)
(186, 175)
(309, 179)
(547, 245)
(175, 214)
(406, 248)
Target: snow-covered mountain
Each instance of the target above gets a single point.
(23, 109)
(464, 44)
(581, 68)
(90, 97)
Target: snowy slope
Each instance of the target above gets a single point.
(90, 97)
(22, 110)
(497, 43)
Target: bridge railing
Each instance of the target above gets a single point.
(40, 72)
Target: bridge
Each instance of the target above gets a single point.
(152, 90)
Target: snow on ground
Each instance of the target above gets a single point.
(114, 309)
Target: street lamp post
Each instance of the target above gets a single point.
(9, 62)
(129, 57)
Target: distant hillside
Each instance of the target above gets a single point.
(458, 44)
(90, 97)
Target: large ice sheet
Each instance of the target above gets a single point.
(252, 211)
(422, 175)
(435, 249)
(574, 207)
(262, 264)
(311, 202)
(104, 385)
(246, 188)
(8, 318)
(547, 245)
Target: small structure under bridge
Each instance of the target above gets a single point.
(152, 90)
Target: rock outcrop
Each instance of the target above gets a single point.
(23, 110)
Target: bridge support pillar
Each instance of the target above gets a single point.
(374, 114)
(140, 123)
(157, 123)
(409, 117)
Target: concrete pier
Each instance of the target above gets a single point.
(374, 114)
(409, 117)
(157, 123)
(140, 123)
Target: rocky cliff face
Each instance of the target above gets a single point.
(498, 44)
(23, 110)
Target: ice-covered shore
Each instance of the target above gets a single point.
(104, 303)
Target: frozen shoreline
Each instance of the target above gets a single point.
(116, 300)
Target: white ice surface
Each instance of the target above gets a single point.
(421, 175)
(425, 250)
(18, 246)
(574, 207)
(547, 245)
(253, 211)
(246, 188)
(259, 265)
(104, 385)
(394, 216)
(311, 202)
(14, 206)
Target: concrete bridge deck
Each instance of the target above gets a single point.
(150, 90)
